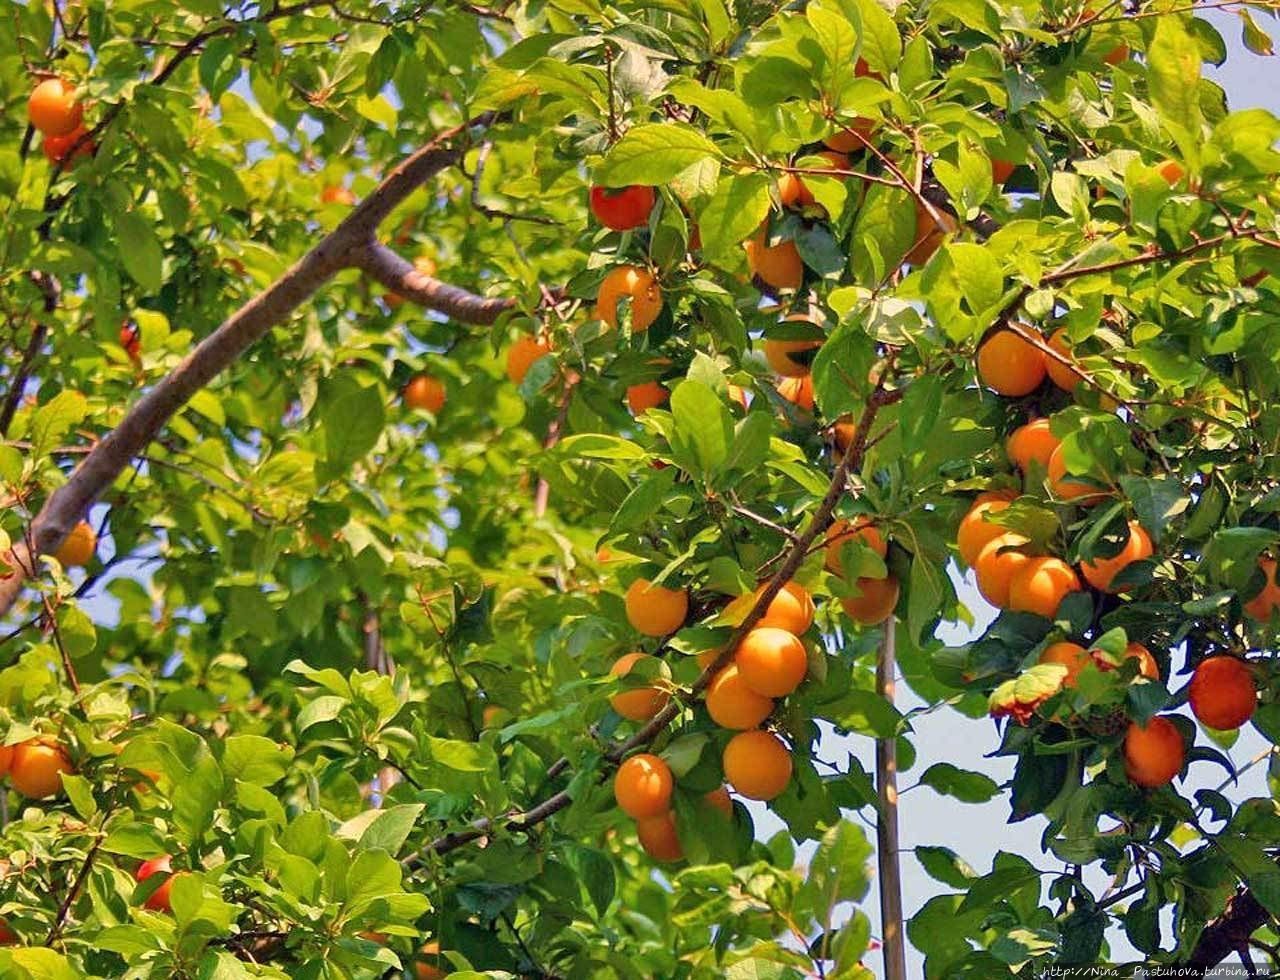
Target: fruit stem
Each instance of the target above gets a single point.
(890, 867)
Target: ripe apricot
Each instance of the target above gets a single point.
(57, 148)
(1101, 571)
(757, 765)
(1223, 693)
(37, 768)
(521, 356)
(637, 703)
(779, 354)
(636, 284)
(798, 391)
(1032, 443)
(646, 395)
(834, 159)
(1172, 172)
(1062, 375)
(1002, 170)
(1040, 585)
(622, 208)
(158, 900)
(1153, 753)
(424, 392)
(1006, 494)
(875, 601)
(1063, 488)
(997, 563)
(337, 194)
(1147, 666)
(426, 965)
(843, 531)
(658, 837)
(1118, 54)
(1009, 365)
(655, 610)
(1070, 655)
(1261, 606)
(975, 531)
(78, 546)
(642, 786)
(53, 109)
(720, 800)
(792, 192)
(791, 609)
(856, 137)
(778, 266)
(931, 231)
(732, 703)
(771, 661)
(6, 759)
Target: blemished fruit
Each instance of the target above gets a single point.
(875, 602)
(1040, 585)
(791, 609)
(781, 356)
(635, 284)
(56, 148)
(638, 703)
(337, 194)
(622, 208)
(1153, 753)
(843, 531)
(53, 109)
(37, 768)
(1009, 365)
(642, 786)
(655, 610)
(720, 800)
(1002, 170)
(798, 391)
(1262, 605)
(1223, 693)
(733, 704)
(1031, 443)
(931, 231)
(757, 765)
(1070, 655)
(78, 546)
(424, 392)
(1147, 666)
(778, 266)
(1102, 571)
(771, 661)
(646, 395)
(522, 355)
(997, 563)
(1062, 375)
(1064, 488)
(158, 900)
(792, 192)
(658, 837)
(975, 531)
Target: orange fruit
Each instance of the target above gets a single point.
(6, 759)
(757, 765)
(53, 109)
(1101, 571)
(491, 716)
(855, 138)
(931, 232)
(1063, 488)
(792, 192)
(707, 657)
(56, 148)
(1147, 666)
(1261, 606)
(636, 284)
(834, 159)
(1040, 585)
(1069, 655)
(1153, 753)
(426, 966)
(646, 395)
(1172, 172)
(658, 837)
(996, 564)
(424, 392)
(732, 703)
(37, 768)
(158, 900)
(1009, 365)
(1002, 170)
(1117, 54)
(791, 609)
(78, 546)
(642, 786)
(798, 391)
(778, 266)
(521, 356)
(778, 354)
(1223, 693)
(337, 194)
(1006, 495)
(1060, 374)
(1031, 443)
(771, 661)
(637, 703)
(655, 610)
(842, 531)
(720, 800)
(975, 531)
(875, 602)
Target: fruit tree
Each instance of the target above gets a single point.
(480, 479)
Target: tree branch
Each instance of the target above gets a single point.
(892, 938)
(381, 263)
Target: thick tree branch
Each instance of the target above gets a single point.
(1229, 932)
(388, 268)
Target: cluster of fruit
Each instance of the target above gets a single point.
(54, 111)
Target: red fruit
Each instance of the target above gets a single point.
(1223, 694)
(56, 148)
(131, 339)
(158, 900)
(623, 208)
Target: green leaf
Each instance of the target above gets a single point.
(254, 759)
(883, 232)
(944, 865)
(1173, 77)
(653, 154)
(140, 252)
(881, 44)
(704, 426)
(965, 786)
(353, 418)
(391, 827)
(595, 871)
(462, 756)
(319, 710)
(55, 419)
(840, 370)
(737, 208)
